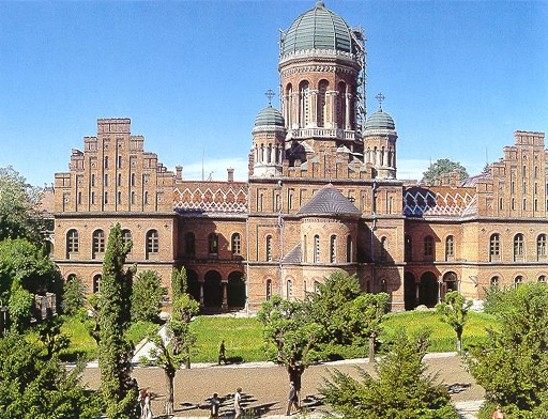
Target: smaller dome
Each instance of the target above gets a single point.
(269, 116)
(380, 120)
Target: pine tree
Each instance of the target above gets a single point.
(115, 351)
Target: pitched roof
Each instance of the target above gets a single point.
(329, 201)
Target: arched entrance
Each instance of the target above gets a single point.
(450, 283)
(428, 290)
(410, 291)
(213, 291)
(236, 290)
(193, 284)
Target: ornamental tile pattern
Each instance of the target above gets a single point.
(439, 201)
(220, 198)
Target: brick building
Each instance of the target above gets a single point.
(322, 195)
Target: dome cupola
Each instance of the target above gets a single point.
(269, 116)
(380, 120)
(318, 28)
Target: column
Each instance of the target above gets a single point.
(386, 159)
(295, 110)
(313, 110)
(201, 293)
(347, 111)
(224, 305)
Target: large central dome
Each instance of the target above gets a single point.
(318, 28)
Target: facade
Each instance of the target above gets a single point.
(322, 195)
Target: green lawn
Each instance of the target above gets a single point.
(244, 342)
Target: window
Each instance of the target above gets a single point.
(349, 249)
(133, 179)
(494, 247)
(190, 244)
(541, 246)
(79, 198)
(146, 197)
(106, 162)
(518, 281)
(236, 244)
(119, 180)
(92, 180)
(268, 289)
(72, 241)
(96, 283)
(106, 197)
(316, 248)
(133, 198)
(106, 180)
(428, 246)
(333, 249)
(518, 246)
(383, 249)
(449, 248)
(119, 198)
(93, 197)
(98, 243)
(495, 282)
(289, 288)
(213, 243)
(119, 162)
(126, 237)
(408, 248)
(152, 242)
(383, 285)
(542, 279)
(268, 249)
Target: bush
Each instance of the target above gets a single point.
(74, 292)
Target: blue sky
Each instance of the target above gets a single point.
(459, 77)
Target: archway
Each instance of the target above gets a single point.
(450, 283)
(213, 291)
(410, 291)
(236, 290)
(193, 284)
(428, 290)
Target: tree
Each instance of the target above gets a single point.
(441, 167)
(402, 389)
(74, 295)
(20, 215)
(331, 307)
(179, 283)
(92, 322)
(146, 299)
(366, 315)
(36, 387)
(454, 311)
(290, 327)
(119, 392)
(172, 349)
(49, 332)
(512, 365)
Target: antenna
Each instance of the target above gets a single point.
(203, 156)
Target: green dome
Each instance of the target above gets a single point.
(380, 120)
(269, 116)
(318, 28)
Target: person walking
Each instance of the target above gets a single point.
(222, 353)
(292, 399)
(215, 405)
(238, 403)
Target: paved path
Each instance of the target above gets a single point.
(265, 384)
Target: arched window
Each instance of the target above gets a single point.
(106, 198)
(428, 246)
(119, 182)
(541, 246)
(96, 283)
(268, 248)
(98, 245)
(268, 289)
(383, 249)
(518, 246)
(304, 107)
(494, 247)
(289, 289)
(106, 162)
(495, 282)
(305, 249)
(106, 179)
(322, 102)
(146, 198)
(449, 248)
(213, 243)
(92, 180)
(119, 197)
(340, 111)
(316, 248)
(349, 249)
(190, 244)
(133, 179)
(542, 279)
(383, 285)
(119, 162)
(518, 281)
(333, 249)
(236, 244)
(408, 248)
(72, 242)
(317, 287)
(132, 198)
(126, 237)
(152, 245)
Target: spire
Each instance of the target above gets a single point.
(380, 97)
(269, 94)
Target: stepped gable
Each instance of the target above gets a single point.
(421, 201)
(295, 256)
(329, 201)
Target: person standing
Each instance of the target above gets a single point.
(215, 404)
(292, 399)
(238, 403)
(497, 413)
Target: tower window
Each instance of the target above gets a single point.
(333, 249)
(316, 249)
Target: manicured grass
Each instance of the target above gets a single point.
(243, 339)
(442, 337)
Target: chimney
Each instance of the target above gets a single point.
(230, 174)
(179, 172)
